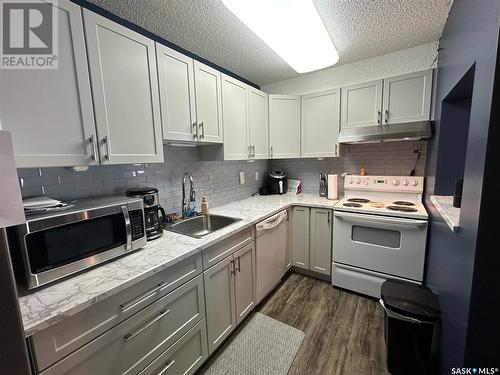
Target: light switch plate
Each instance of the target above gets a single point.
(242, 177)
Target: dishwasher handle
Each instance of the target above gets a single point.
(272, 222)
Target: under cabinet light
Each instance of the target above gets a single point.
(292, 28)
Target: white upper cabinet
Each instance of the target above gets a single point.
(362, 104)
(258, 123)
(49, 112)
(284, 126)
(177, 95)
(235, 119)
(320, 124)
(407, 98)
(207, 83)
(125, 90)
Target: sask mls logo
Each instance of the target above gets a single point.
(29, 34)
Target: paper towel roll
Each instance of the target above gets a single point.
(332, 186)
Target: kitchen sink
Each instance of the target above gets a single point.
(200, 226)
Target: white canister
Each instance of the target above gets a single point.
(332, 186)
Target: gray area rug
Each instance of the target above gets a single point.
(262, 346)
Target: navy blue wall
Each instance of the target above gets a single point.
(470, 37)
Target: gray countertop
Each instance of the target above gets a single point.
(47, 306)
(450, 214)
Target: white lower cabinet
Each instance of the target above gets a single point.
(229, 293)
(185, 356)
(133, 344)
(312, 239)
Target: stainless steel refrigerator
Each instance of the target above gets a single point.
(13, 351)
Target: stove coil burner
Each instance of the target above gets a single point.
(403, 203)
(359, 200)
(401, 209)
(357, 205)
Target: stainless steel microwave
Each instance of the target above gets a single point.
(56, 244)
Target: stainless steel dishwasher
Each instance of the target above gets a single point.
(271, 250)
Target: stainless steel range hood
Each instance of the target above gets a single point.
(389, 132)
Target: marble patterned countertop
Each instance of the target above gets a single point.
(450, 214)
(49, 305)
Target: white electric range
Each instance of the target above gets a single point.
(379, 232)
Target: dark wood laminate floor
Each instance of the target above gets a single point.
(344, 332)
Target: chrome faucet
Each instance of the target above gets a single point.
(186, 205)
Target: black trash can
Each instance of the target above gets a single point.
(412, 325)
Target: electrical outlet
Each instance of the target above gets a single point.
(242, 177)
(256, 175)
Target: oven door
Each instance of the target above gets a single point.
(394, 246)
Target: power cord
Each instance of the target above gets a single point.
(418, 152)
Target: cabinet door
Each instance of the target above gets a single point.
(258, 123)
(208, 103)
(300, 237)
(320, 230)
(234, 119)
(220, 301)
(362, 104)
(407, 98)
(125, 88)
(288, 252)
(284, 126)
(177, 99)
(245, 281)
(49, 112)
(320, 124)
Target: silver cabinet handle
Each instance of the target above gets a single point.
(253, 151)
(271, 152)
(328, 217)
(128, 227)
(249, 151)
(386, 116)
(105, 140)
(336, 149)
(231, 266)
(195, 127)
(137, 300)
(168, 364)
(94, 148)
(379, 117)
(202, 127)
(131, 335)
(239, 264)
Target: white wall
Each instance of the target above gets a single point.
(391, 64)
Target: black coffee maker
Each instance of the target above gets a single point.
(149, 196)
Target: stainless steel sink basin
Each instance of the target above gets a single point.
(200, 226)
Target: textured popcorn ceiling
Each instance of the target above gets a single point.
(359, 29)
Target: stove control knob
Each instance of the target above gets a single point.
(395, 182)
(414, 182)
(358, 180)
(405, 182)
(351, 180)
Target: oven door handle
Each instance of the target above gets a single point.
(380, 219)
(128, 228)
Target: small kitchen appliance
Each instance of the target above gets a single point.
(276, 183)
(152, 210)
(380, 232)
(55, 244)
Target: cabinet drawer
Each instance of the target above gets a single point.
(134, 343)
(185, 356)
(220, 250)
(63, 338)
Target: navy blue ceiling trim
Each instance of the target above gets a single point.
(140, 30)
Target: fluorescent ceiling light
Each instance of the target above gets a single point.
(292, 28)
